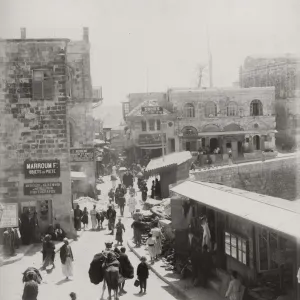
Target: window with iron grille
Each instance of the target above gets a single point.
(42, 85)
(152, 125)
(144, 126)
(236, 247)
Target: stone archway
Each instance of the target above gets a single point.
(211, 128)
(233, 127)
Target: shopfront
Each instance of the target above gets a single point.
(247, 235)
(151, 145)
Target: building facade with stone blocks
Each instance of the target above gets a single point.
(283, 73)
(240, 119)
(150, 124)
(39, 99)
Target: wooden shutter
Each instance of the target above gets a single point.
(37, 90)
(48, 88)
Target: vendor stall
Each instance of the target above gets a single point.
(170, 168)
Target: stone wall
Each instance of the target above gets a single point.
(33, 128)
(278, 177)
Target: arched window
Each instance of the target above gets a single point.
(210, 109)
(189, 110)
(232, 109)
(256, 108)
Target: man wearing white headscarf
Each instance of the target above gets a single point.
(66, 257)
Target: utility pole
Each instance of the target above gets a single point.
(162, 140)
(209, 59)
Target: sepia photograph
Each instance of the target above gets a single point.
(149, 149)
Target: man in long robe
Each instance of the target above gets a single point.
(93, 213)
(25, 228)
(77, 218)
(111, 216)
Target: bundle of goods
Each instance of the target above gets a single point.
(169, 261)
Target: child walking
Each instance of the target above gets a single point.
(143, 274)
(119, 232)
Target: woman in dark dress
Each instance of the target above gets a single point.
(85, 218)
(77, 218)
(157, 189)
(153, 189)
(144, 191)
(25, 228)
(48, 252)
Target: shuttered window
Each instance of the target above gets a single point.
(42, 85)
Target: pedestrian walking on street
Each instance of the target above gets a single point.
(119, 232)
(132, 204)
(93, 214)
(111, 195)
(48, 252)
(234, 288)
(143, 274)
(111, 216)
(122, 203)
(151, 247)
(77, 218)
(66, 257)
(31, 289)
(113, 179)
(85, 218)
(127, 270)
(137, 232)
(120, 194)
(157, 235)
(100, 218)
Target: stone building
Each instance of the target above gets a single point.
(150, 124)
(282, 72)
(239, 119)
(42, 115)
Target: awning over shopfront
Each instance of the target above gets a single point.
(173, 159)
(151, 147)
(78, 175)
(274, 213)
(224, 133)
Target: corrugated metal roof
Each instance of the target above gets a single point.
(176, 158)
(274, 213)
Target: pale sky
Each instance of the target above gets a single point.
(167, 37)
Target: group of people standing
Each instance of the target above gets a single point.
(156, 189)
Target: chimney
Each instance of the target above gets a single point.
(23, 33)
(86, 34)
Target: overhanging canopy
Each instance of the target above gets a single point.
(274, 213)
(170, 160)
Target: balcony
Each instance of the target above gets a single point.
(97, 96)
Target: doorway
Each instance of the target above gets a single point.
(240, 147)
(188, 146)
(256, 142)
(213, 144)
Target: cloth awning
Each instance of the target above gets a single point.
(274, 213)
(226, 133)
(173, 159)
(99, 142)
(78, 175)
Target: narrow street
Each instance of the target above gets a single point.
(55, 287)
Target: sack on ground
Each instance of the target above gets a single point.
(137, 283)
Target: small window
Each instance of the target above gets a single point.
(210, 109)
(256, 108)
(236, 247)
(42, 85)
(158, 125)
(189, 111)
(144, 126)
(152, 125)
(231, 109)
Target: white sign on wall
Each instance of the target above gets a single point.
(9, 216)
